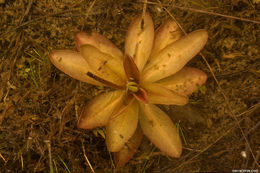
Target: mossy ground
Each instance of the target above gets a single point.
(40, 105)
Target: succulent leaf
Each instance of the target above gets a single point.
(121, 128)
(174, 56)
(141, 95)
(158, 94)
(97, 111)
(131, 70)
(73, 64)
(139, 39)
(104, 65)
(98, 41)
(129, 149)
(161, 131)
(166, 34)
(185, 81)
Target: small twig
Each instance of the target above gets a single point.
(16, 53)
(257, 158)
(29, 6)
(2, 157)
(85, 156)
(50, 157)
(208, 12)
(217, 14)
(6, 109)
(253, 128)
(37, 164)
(250, 110)
(144, 8)
(89, 9)
(191, 149)
(63, 112)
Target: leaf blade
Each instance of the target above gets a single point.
(158, 94)
(104, 65)
(97, 111)
(139, 39)
(121, 128)
(99, 41)
(131, 70)
(73, 64)
(185, 81)
(174, 56)
(159, 128)
(130, 148)
(166, 34)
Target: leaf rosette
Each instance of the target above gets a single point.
(150, 71)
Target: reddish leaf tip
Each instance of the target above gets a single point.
(141, 95)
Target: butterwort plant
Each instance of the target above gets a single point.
(150, 71)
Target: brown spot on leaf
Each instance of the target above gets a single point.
(151, 122)
(142, 24)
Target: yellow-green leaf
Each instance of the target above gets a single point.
(184, 81)
(174, 56)
(121, 128)
(98, 41)
(139, 39)
(161, 131)
(166, 34)
(129, 149)
(97, 111)
(73, 64)
(104, 65)
(158, 94)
